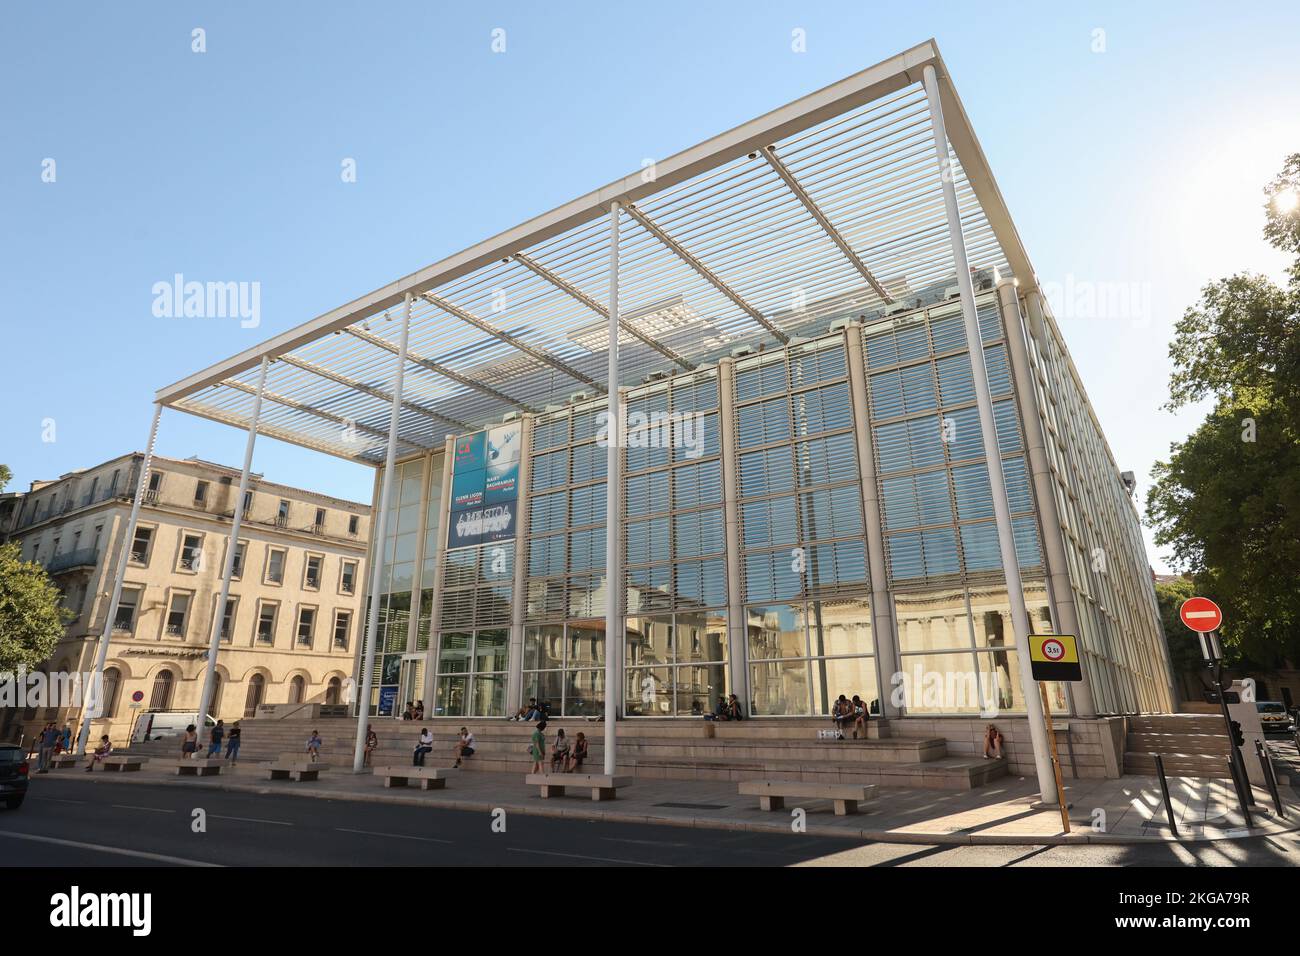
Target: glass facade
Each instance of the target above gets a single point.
(746, 545)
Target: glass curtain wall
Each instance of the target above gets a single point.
(807, 613)
(675, 541)
(399, 553)
(951, 610)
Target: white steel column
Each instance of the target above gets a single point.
(237, 521)
(377, 552)
(992, 454)
(737, 623)
(882, 619)
(519, 577)
(101, 655)
(614, 636)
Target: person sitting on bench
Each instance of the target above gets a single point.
(560, 751)
(464, 747)
(103, 750)
(579, 753)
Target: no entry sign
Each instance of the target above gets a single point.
(1201, 614)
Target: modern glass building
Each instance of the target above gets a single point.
(805, 504)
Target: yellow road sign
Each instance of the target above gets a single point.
(1054, 657)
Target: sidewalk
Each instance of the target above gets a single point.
(1000, 813)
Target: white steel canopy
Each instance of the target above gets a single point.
(829, 206)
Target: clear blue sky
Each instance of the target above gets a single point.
(1139, 165)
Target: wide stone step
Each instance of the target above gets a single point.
(1178, 765)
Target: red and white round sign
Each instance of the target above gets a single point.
(1053, 649)
(1201, 614)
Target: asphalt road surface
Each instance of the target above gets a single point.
(65, 823)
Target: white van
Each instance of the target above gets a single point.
(156, 724)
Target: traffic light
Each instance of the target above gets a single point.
(1238, 738)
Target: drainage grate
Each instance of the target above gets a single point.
(693, 806)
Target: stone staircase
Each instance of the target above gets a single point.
(785, 749)
(1190, 745)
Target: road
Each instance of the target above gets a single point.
(67, 823)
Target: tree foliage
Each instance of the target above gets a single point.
(1227, 500)
(31, 618)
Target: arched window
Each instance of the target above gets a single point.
(108, 698)
(333, 691)
(163, 684)
(256, 688)
(297, 687)
(214, 705)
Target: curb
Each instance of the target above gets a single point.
(918, 837)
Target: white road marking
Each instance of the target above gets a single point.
(579, 856)
(395, 836)
(100, 848)
(642, 842)
(278, 823)
(127, 806)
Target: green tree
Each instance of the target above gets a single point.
(1227, 500)
(31, 619)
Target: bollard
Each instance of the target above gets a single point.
(1164, 790)
(1270, 777)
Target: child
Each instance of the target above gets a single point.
(313, 745)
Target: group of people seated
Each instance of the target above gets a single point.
(414, 710)
(728, 708)
(533, 710)
(852, 714)
(565, 757)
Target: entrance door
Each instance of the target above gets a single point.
(411, 683)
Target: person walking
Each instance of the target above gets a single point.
(537, 746)
(232, 744)
(218, 734)
(422, 747)
(66, 742)
(49, 737)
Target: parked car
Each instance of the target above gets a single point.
(1274, 719)
(14, 775)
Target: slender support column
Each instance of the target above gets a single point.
(439, 576)
(989, 435)
(882, 620)
(614, 634)
(236, 522)
(124, 555)
(1057, 566)
(519, 591)
(737, 625)
(377, 552)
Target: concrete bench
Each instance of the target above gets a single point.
(772, 793)
(429, 778)
(64, 760)
(297, 770)
(602, 786)
(123, 763)
(194, 766)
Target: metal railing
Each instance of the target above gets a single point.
(81, 558)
